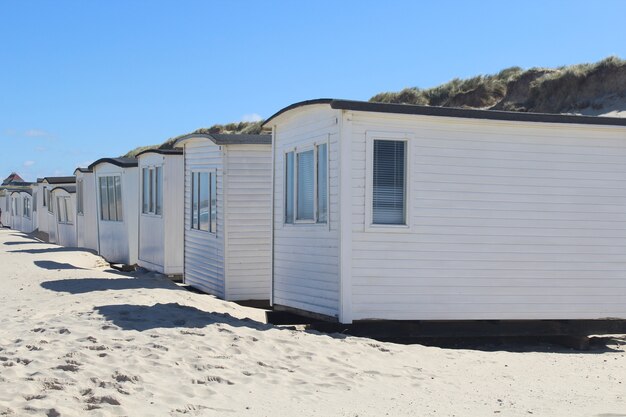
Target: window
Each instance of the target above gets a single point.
(111, 198)
(79, 197)
(45, 189)
(204, 201)
(26, 208)
(306, 185)
(65, 214)
(46, 193)
(152, 190)
(389, 182)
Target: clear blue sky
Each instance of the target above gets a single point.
(80, 80)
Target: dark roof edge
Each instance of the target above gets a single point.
(120, 162)
(83, 170)
(456, 112)
(296, 105)
(161, 151)
(60, 180)
(70, 190)
(262, 139)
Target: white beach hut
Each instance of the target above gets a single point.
(5, 207)
(400, 212)
(117, 202)
(161, 218)
(22, 211)
(46, 216)
(227, 214)
(86, 210)
(64, 200)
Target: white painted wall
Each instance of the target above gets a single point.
(87, 223)
(65, 232)
(248, 186)
(508, 220)
(161, 236)
(306, 256)
(118, 240)
(23, 223)
(204, 251)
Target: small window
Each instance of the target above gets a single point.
(45, 200)
(204, 201)
(26, 208)
(306, 185)
(111, 198)
(65, 214)
(389, 182)
(322, 183)
(289, 181)
(47, 196)
(79, 197)
(152, 190)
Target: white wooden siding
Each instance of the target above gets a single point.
(508, 220)
(204, 251)
(306, 256)
(66, 233)
(118, 241)
(248, 185)
(173, 211)
(161, 236)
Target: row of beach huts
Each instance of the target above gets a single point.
(351, 211)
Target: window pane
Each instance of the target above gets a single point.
(112, 202)
(289, 187)
(194, 200)
(389, 182)
(151, 196)
(79, 197)
(305, 185)
(69, 213)
(118, 198)
(204, 200)
(322, 183)
(145, 197)
(45, 191)
(60, 211)
(104, 199)
(213, 177)
(159, 190)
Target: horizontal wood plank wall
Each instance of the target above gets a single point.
(306, 257)
(204, 251)
(248, 222)
(174, 213)
(508, 220)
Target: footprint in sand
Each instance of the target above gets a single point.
(212, 379)
(70, 366)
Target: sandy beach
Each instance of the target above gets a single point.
(80, 339)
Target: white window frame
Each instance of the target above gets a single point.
(62, 210)
(26, 208)
(48, 196)
(370, 137)
(80, 197)
(211, 172)
(312, 145)
(99, 193)
(152, 197)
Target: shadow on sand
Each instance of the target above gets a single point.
(52, 265)
(86, 285)
(53, 249)
(171, 315)
(12, 243)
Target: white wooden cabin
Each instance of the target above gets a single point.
(5, 207)
(227, 214)
(86, 210)
(117, 202)
(423, 213)
(22, 211)
(161, 212)
(46, 216)
(64, 200)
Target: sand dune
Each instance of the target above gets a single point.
(77, 339)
